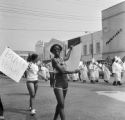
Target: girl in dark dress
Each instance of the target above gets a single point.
(60, 83)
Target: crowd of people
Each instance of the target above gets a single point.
(56, 72)
(93, 72)
(104, 71)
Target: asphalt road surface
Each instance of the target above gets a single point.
(83, 102)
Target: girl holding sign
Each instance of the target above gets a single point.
(60, 84)
(32, 80)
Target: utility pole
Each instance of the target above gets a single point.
(92, 45)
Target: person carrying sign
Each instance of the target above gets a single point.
(32, 80)
(60, 84)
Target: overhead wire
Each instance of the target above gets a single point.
(42, 14)
(24, 29)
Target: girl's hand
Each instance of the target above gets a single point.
(71, 47)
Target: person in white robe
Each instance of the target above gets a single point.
(75, 77)
(117, 70)
(83, 71)
(107, 73)
(123, 73)
(96, 71)
(44, 72)
(92, 76)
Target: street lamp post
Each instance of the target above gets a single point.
(92, 45)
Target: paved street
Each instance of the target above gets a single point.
(82, 103)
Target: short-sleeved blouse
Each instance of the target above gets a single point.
(32, 72)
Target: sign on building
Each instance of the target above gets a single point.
(113, 25)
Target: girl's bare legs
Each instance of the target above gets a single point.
(32, 93)
(60, 96)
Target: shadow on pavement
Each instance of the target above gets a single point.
(29, 117)
(15, 110)
(9, 94)
(23, 112)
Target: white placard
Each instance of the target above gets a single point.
(12, 64)
(73, 62)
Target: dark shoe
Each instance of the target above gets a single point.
(119, 83)
(84, 81)
(92, 81)
(96, 81)
(114, 83)
(106, 81)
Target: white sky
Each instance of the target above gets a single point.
(24, 22)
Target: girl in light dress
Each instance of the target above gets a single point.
(32, 80)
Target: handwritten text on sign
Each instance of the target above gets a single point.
(12, 64)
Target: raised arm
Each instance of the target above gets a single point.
(68, 54)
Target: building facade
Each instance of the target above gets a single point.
(92, 46)
(39, 48)
(113, 28)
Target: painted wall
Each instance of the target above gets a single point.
(113, 27)
(89, 39)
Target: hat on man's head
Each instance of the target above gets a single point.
(52, 47)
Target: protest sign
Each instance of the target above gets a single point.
(75, 56)
(74, 41)
(12, 64)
